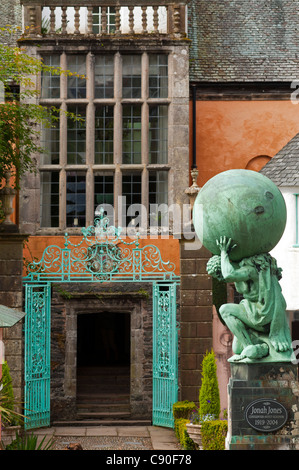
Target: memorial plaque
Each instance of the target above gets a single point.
(266, 415)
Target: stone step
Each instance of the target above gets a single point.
(101, 398)
(102, 384)
(103, 422)
(103, 388)
(103, 371)
(97, 415)
(100, 407)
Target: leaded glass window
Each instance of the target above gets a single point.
(158, 134)
(131, 76)
(50, 141)
(104, 135)
(77, 83)
(49, 199)
(104, 76)
(118, 147)
(103, 189)
(131, 191)
(158, 76)
(75, 199)
(50, 82)
(76, 136)
(131, 134)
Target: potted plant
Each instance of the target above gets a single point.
(209, 399)
(194, 427)
(10, 419)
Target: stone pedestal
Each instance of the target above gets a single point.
(269, 381)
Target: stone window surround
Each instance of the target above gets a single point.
(118, 168)
(178, 132)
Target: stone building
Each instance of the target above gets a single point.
(169, 87)
(95, 349)
(283, 170)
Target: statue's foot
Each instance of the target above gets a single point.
(280, 343)
(256, 351)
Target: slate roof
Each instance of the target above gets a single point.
(244, 40)
(283, 168)
(9, 316)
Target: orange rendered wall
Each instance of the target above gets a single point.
(35, 246)
(231, 134)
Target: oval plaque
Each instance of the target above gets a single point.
(266, 415)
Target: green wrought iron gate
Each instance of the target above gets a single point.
(101, 256)
(165, 347)
(37, 355)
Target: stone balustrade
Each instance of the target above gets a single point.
(50, 18)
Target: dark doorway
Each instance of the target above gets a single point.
(103, 363)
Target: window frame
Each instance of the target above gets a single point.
(118, 167)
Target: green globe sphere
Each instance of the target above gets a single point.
(243, 205)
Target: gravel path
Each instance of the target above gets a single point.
(104, 443)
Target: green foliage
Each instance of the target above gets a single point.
(213, 435)
(7, 402)
(181, 433)
(21, 116)
(8, 399)
(18, 134)
(29, 442)
(183, 409)
(209, 397)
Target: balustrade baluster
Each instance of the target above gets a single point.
(117, 19)
(63, 20)
(77, 20)
(89, 20)
(32, 20)
(155, 19)
(176, 19)
(131, 19)
(104, 20)
(144, 19)
(52, 20)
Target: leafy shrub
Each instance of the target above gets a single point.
(209, 397)
(181, 433)
(7, 400)
(213, 434)
(29, 442)
(183, 409)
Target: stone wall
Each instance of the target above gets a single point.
(11, 272)
(10, 16)
(196, 307)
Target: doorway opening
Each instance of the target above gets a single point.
(103, 364)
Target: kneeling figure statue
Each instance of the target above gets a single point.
(258, 322)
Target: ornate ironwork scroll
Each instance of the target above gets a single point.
(101, 255)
